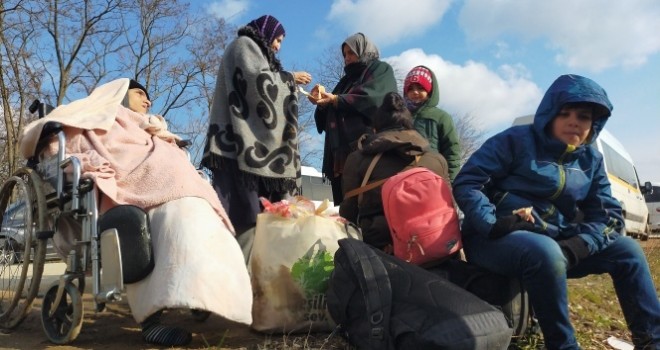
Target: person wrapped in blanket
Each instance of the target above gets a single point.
(521, 193)
(135, 160)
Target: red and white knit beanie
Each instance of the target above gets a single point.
(420, 75)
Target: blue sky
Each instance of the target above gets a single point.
(494, 59)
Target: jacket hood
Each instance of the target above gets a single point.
(566, 89)
(403, 142)
(434, 97)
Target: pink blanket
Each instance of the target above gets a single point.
(132, 166)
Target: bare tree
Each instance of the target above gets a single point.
(210, 37)
(176, 55)
(80, 36)
(50, 46)
(18, 79)
(328, 69)
(470, 136)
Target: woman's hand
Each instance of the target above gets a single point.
(303, 78)
(327, 99)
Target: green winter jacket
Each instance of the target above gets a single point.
(438, 128)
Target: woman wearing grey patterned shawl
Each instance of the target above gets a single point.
(252, 141)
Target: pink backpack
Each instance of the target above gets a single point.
(419, 209)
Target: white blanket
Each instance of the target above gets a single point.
(199, 265)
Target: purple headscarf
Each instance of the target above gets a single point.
(268, 26)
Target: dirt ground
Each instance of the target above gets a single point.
(115, 329)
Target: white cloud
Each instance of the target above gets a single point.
(230, 10)
(387, 21)
(588, 34)
(493, 98)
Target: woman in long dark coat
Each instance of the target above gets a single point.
(347, 112)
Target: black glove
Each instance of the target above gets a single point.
(507, 224)
(574, 249)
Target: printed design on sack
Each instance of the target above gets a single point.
(312, 275)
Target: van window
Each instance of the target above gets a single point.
(653, 197)
(618, 166)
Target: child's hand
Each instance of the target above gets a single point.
(507, 224)
(525, 214)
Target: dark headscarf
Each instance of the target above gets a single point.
(269, 27)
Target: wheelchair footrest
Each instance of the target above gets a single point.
(112, 278)
(111, 296)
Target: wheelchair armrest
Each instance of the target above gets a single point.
(47, 132)
(49, 129)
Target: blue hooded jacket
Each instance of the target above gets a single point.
(525, 166)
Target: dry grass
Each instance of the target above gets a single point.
(595, 314)
(595, 311)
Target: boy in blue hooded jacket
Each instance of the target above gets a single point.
(521, 194)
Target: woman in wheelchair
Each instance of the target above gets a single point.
(134, 160)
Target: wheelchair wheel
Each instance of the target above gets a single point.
(22, 255)
(63, 326)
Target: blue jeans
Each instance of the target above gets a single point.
(538, 261)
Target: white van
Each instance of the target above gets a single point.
(653, 204)
(624, 181)
(314, 187)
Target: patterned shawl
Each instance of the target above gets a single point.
(254, 118)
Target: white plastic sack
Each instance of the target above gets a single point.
(290, 264)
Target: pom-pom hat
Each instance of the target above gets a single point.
(420, 75)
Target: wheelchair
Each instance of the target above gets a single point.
(47, 194)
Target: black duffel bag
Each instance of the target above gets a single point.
(382, 302)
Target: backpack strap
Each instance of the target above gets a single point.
(376, 289)
(368, 187)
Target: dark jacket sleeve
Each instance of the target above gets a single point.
(602, 213)
(489, 162)
(366, 95)
(363, 96)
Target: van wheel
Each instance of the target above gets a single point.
(646, 234)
